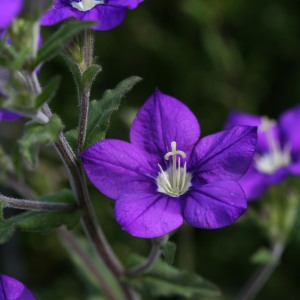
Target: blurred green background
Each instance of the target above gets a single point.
(215, 56)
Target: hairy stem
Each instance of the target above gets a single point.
(35, 205)
(85, 94)
(79, 188)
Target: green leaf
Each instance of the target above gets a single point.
(262, 256)
(58, 40)
(168, 251)
(163, 280)
(75, 72)
(71, 137)
(41, 221)
(48, 92)
(36, 134)
(89, 76)
(101, 111)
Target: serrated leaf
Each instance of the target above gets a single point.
(48, 92)
(89, 76)
(168, 251)
(163, 280)
(101, 111)
(41, 221)
(36, 134)
(57, 41)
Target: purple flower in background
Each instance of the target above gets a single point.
(167, 175)
(277, 153)
(9, 9)
(8, 115)
(12, 289)
(108, 13)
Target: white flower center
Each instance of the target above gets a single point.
(85, 5)
(175, 181)
(277, 157)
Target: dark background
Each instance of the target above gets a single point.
(213, 55)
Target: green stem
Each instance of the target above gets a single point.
(153, 256)
(261, 276)
(88, 55)
(88, 220)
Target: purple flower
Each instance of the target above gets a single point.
(167, 175)
(12, 289)
(277, 153)
(8, 115)
(9, 9)
(108, 13)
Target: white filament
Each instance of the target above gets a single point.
(86, 5)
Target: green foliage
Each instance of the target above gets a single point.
(58, 40)
(168, 251)
(48, 92)
(88, 277)
(101, 111)
(36, 134)
(163, 280)
(262, 256)
(89, 76)
(40, 221)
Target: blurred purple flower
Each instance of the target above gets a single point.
(108, 13)
(12, 289)
(9, 9)
(277, 153)
(167, 175)
(9, 115)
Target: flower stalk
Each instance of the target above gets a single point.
(89, 222)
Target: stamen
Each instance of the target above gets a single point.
(277, 157)
(86, 5)
(175, 180)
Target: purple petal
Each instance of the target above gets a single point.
(108, 17)
(131, 4)
(162, 120)
(117, 168)
(56, 15)
(255, 183)
(148, 215)
(214, 205)
(12, 289)
(8, 115)
(9, 9)
(289, 124)
(223, 156)
(237, 118)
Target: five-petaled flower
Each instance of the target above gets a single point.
(167, 175)
(277, 153)
(12, 289)
(108, 13)
(9, 10)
